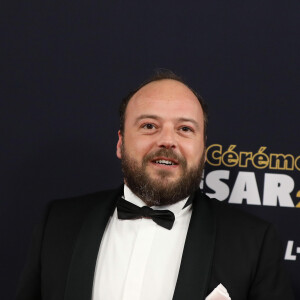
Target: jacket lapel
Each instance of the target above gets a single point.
(194, 273)
(81, 272)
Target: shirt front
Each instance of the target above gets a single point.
(138, 259)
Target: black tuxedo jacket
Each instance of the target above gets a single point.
(223, 245)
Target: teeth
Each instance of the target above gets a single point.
(164, 162)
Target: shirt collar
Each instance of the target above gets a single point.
(176, 208)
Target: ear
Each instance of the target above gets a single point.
(119, 145)
(205, 149)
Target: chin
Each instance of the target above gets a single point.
(162, 179)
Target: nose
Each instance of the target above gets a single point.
(167, 138)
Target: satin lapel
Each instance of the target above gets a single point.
(194, 273)
(81, 272)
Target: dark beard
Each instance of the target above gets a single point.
(158, 192)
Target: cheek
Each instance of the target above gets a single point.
(139, 146)
(192, 151)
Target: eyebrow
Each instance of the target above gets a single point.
(141, 117)
(189, 120)
(155, 117)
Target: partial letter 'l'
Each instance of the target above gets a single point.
(289, 250)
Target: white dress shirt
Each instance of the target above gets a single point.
(138, 259)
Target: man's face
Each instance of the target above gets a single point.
(162, 147)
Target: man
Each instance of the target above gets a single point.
(182, 247)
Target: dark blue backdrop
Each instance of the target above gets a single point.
(65, 65)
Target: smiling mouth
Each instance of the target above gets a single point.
(165, 162)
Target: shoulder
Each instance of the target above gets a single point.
(227, 213)
(241, 234)
(85, 200)
(244, 232)
(63, 218)
(236, 224)
(80, 205)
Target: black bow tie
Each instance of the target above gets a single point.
(127, 211)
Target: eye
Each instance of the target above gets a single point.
(186, 129)
(148, 126)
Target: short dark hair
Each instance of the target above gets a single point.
(161, 74)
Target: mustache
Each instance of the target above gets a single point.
(168, 153)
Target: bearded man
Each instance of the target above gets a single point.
(158, 236)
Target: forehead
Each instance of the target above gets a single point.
(166, 98)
